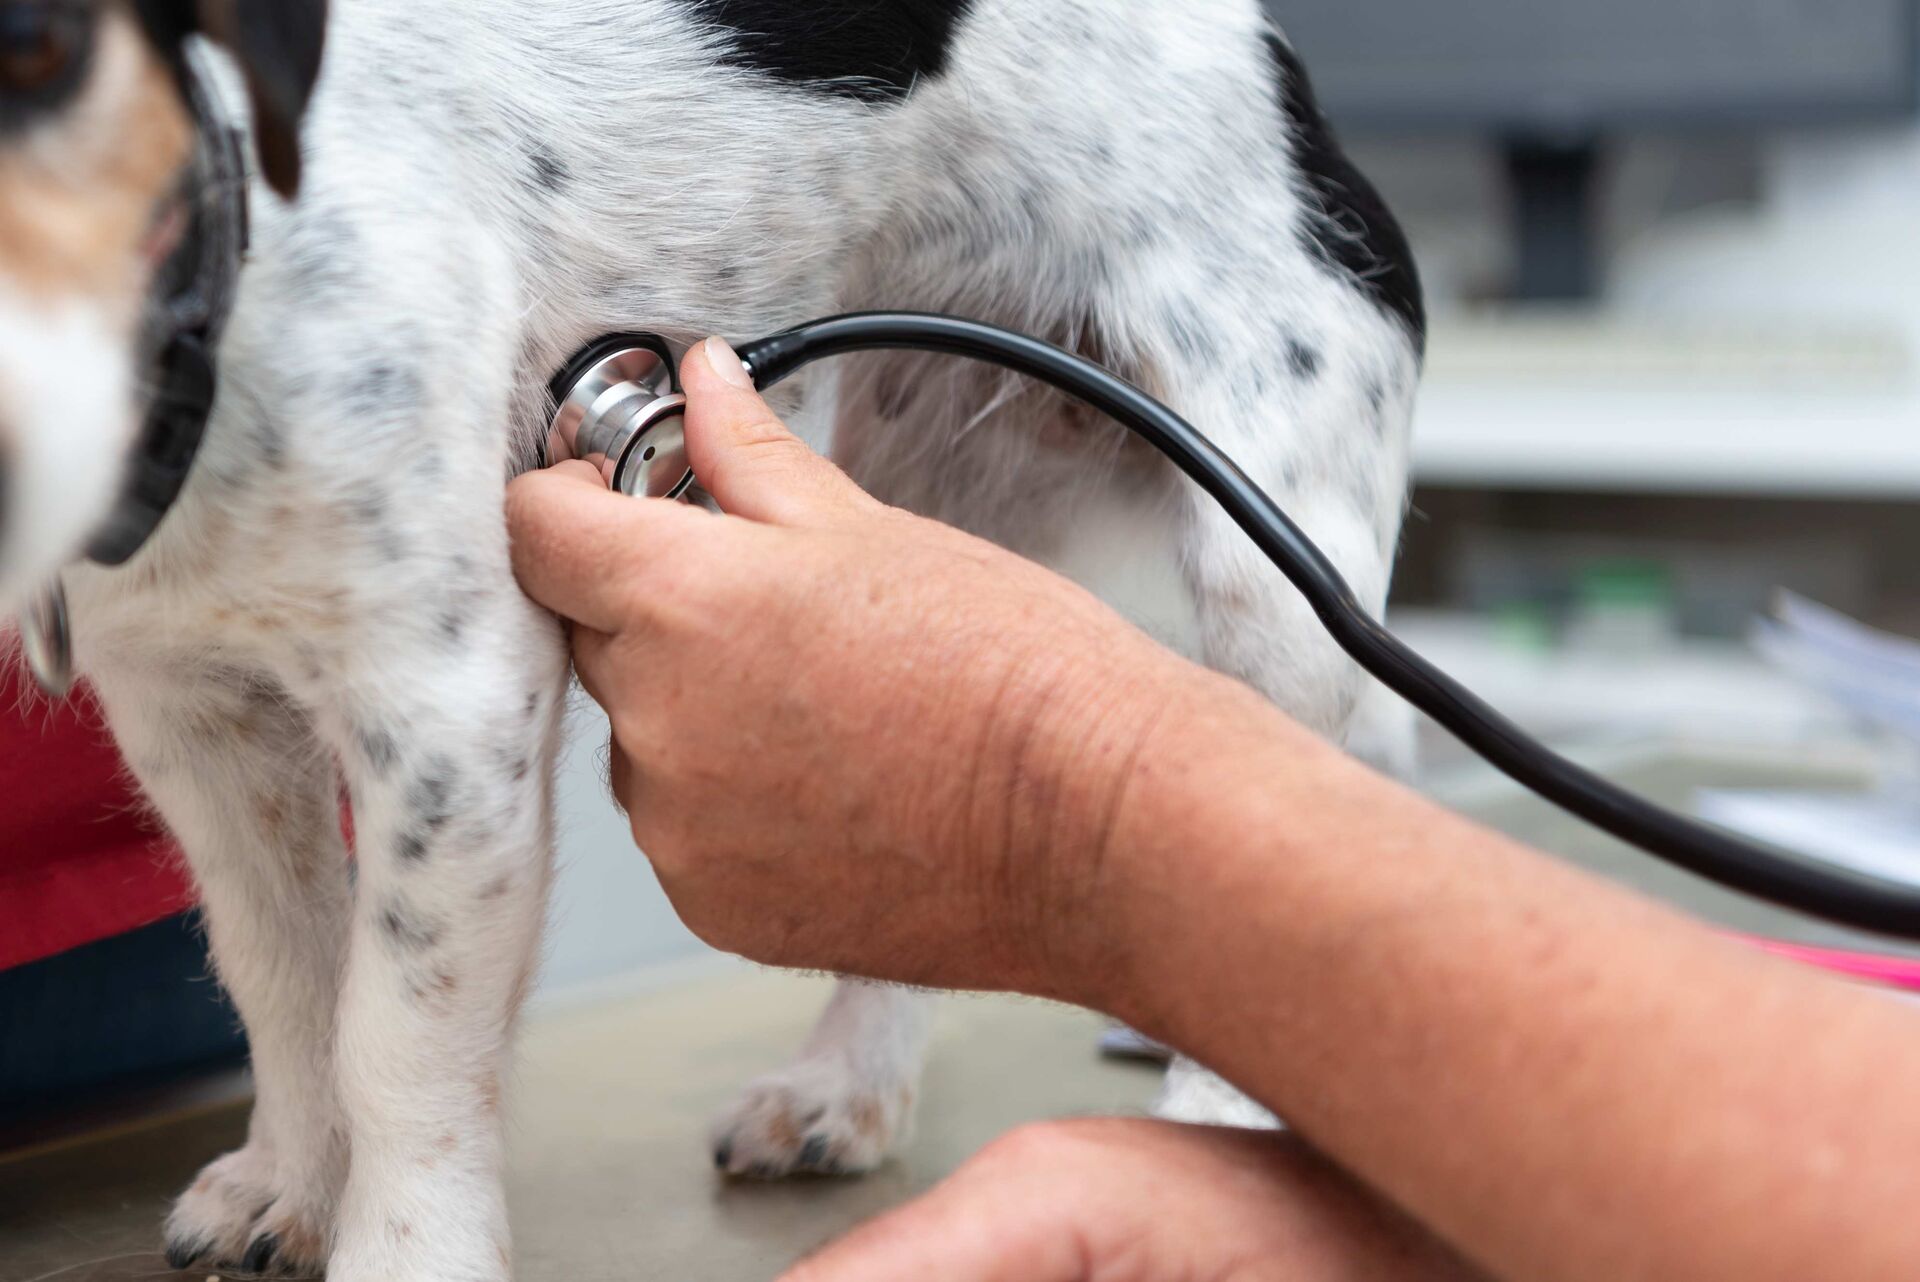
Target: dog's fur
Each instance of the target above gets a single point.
(490, 183)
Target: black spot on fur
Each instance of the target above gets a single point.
(385, 388)
(429, 808)
(372, 515)
(1304, 361)
(1348, 227)
(379, 748)
(467, 593)
(1189, 334)
(322, 254)
(270, 440)
(550, 173)
(873, 50)
(407, 931)
(513, 761)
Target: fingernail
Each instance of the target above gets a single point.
(727, 363)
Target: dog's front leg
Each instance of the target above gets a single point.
(247, 787)
(448, 734)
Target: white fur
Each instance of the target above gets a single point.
(66, 421)
(332, 600)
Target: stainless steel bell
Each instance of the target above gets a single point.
(622, 415)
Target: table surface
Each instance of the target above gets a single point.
(609, 1172)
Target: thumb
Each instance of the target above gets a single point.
(745, 456)
(583, 551)
(966, 1230)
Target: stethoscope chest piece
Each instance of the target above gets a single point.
(617, 409)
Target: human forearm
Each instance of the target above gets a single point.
(852, 740)
(1567, 1081)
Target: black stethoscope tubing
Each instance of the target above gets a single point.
(1817, 889)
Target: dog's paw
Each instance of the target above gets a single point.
(236, 1218)
(816, 1117)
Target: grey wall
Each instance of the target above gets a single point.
(1576, 64)
(609, 916)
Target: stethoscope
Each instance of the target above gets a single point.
(620, 409)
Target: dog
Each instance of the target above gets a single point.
(452, 196)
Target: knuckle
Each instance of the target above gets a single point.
(765, 429)
(1037, 1143)
(774, 447)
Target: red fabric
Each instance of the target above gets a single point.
(79, 859)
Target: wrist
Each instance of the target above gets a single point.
(1205, 822)
(1068, 725)
(1127, 779)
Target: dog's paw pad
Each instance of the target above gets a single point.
(812, 1119)
(231, 1219)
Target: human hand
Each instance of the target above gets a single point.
(848, 738)
(1127, 1201)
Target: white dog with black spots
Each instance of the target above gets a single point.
(478, 187)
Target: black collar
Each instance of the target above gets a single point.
(187, 313)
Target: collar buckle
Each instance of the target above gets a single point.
(47, 631)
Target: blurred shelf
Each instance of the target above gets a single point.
(1706, 691)
(1564, 403)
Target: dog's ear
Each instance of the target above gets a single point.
(279, 45)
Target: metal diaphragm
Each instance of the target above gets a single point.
(621, 414)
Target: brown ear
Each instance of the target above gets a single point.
(279, 45)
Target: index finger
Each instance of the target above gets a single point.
(579, 549)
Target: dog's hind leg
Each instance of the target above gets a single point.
(846, 1103)
(448, 732)
(244, 784)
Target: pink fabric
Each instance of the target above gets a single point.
(1893, 972)
(80, 861)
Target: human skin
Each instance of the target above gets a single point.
(853, 740)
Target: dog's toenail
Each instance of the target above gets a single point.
(723, 1156)
(260, 1254)
(181, 1254)
(813, 1154)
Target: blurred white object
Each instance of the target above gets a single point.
(1876, 677)
(1877, 835)
(1708, 693)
